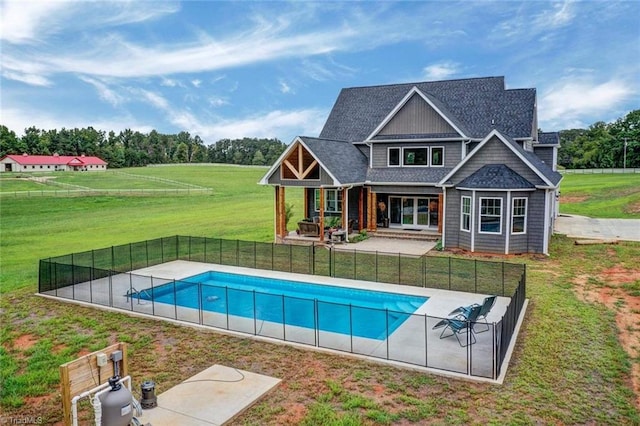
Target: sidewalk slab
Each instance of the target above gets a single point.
(214, 396)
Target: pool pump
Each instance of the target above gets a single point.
(148, 390)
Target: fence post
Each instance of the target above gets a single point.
(503, 278)
(449, 272)
(130, 258)
(113, 259)
(475, 275)
(177, 247)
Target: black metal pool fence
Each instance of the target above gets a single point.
(104, 277)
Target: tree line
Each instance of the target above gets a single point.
(132, 148)
(601, 145)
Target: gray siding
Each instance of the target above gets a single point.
(545, 153)
(452, 151)
(531, 242)
(495, 152)
(406, 190)
(416, 117)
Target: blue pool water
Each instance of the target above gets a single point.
(344, 310)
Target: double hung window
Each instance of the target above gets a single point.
(465, 214)
(491, 215)
(519, 216)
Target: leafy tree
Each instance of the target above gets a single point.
(182, 153)
(10, 143)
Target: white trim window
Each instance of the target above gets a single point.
(418, 156)
(393, 157)
(332, 200)
(519, 216)
(490, 215)
(465, 214)
(437, 156)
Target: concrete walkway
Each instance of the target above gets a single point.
(390, 245)
(583, 227)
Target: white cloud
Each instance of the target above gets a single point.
(18, 120)
(284, 87)
(573, 102)
(196, 83)
(29, 22)
(31, 79)
(104, 92)
(279, 124)
(217, 102)
(560, 15)
(154, 99)
(440, 71)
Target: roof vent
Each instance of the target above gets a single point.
(55, 154)
(493, 122)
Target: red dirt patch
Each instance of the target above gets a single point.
(25, 342)
(573, 198)
(625, 306)
(293, 414)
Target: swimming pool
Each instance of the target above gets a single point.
(344, 310)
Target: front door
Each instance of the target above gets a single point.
(414, 212)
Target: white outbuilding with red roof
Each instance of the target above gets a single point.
(44, 163)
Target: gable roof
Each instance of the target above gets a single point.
(433, 103)
(343, 161)
(475, 106)
(550, 177)
(60, 160)
(495, 176)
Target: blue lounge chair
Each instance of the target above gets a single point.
(460, 324)
(486, 306)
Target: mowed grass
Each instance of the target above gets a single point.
(601, 195)
(568, 367)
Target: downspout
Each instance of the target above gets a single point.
(547, 212)
(507, 229)
(473, 220)
(444, 214)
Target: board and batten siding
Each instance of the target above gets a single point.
(452, 151)
(416, 117)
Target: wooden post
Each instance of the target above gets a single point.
(361, 209)
(280, 215)
(305, 201)
(372, 222)
(84, 374)
(345, 203)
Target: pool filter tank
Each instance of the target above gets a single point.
(117, 404)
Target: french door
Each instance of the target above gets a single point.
(414, 212)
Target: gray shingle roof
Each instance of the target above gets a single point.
(342, 159)
(426, 175)
(549, 138)
(475, 105)
(495, 176)
(552, 176)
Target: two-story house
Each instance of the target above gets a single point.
(459, 158)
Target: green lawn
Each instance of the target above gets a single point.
(601, 195)
(568, 367)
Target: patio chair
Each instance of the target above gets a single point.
(460, 324)
(486, 306)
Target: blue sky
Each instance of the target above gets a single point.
(274, 69)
